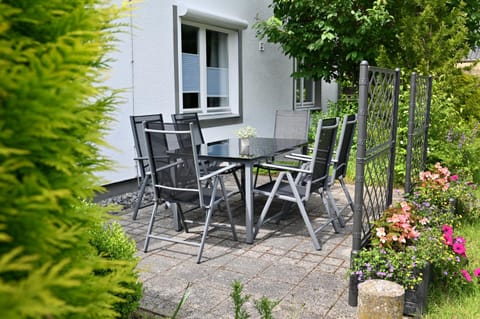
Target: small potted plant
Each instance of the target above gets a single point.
(244, 134)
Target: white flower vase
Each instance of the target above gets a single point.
(244, 146)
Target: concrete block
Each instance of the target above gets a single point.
(380, 299)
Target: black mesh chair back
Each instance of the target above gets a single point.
(344, 146)
(192, 118)
(323, 151)
(291, 124)
(177, 180)
(136, 123)
(187, 118)
(340, 162)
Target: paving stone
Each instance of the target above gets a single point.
(281, 264)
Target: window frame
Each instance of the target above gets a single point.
(316, 91)
(220, 23)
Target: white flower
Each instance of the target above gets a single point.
(246, 132)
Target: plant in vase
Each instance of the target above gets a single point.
(398, 252)
(244, 134)
(393, 253)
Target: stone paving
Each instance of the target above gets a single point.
(281, 265)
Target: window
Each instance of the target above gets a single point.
(209, 69)
(305, 92)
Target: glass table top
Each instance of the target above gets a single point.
(249, 149)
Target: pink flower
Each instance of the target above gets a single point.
(466, 275)
(476, 272)
(425, 175)
(447, 229)
(405, 206)
(460, 240)
(424, 221)
(459, 248)
(448, 239)
(454, 178)
(381, 232)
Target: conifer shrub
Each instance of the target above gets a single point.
(54, 110)
(112, 242)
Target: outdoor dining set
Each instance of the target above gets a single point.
(186, 171)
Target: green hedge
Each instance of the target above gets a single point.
(53, 113)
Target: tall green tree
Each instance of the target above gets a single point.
(54, 110)
(328, 38)
(430, 36)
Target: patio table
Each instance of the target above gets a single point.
(248, 152)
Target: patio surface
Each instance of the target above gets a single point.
(281, 265)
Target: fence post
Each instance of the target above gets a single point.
(359, 175)
(391, 173)
(427, 122)
(411, 133)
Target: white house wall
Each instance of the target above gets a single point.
(144, 66)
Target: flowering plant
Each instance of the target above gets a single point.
(396, 248)
(445, 191)
(452, 263)
(247, 132)
(397, 227)
(418, 232)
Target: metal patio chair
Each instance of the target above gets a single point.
(288, 124)
(296, 185)
(340, 161)
(177, 179)
(143, 169)
(206, 166)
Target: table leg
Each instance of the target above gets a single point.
(248, 203)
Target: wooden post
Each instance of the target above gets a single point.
(380, 299)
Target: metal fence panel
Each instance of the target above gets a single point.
(377, 131)
(418, 123)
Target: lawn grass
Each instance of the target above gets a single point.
(464, 304)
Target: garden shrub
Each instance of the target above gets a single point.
(54, 111)
(113, 243)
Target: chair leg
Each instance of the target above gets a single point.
(332, 219)
(205, 234)
(346, 192)
(267, 204)
(229, 211)
(304, 214)
(332, 205)
(140, 193)
(150, 226)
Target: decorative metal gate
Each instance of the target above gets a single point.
(377, 130)
(418, 122)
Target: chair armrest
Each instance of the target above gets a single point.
(285, 168)
(180, 161)
(217, 172)
(299, 157)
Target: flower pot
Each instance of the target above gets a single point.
(415, 300)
